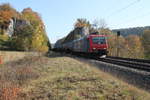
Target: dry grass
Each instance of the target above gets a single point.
(15, 56)
(62, 78)
(15, 73)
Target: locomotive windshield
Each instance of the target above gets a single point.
(99, 40)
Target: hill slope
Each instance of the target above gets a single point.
(134, 31)
(60, 77)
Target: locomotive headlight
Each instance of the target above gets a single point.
(94, 48)
(104, 48)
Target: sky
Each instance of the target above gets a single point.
(59, 16)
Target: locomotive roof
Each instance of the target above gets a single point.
(90, 35)
(96, 35)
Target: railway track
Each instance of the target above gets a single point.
(132, 71)
(131, 59)
(139, 64)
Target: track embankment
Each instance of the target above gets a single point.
(135, 75)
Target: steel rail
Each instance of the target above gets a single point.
(128, 63)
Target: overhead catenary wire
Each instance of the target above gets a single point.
(136, 18)
(124, 8)
(132, 19)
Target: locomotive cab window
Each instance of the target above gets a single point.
(99, 40)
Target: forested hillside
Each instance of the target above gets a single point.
(132, 31)
(23, 31)
(143, 33)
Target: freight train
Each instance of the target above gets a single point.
(91, 44)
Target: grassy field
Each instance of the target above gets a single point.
(60, 77)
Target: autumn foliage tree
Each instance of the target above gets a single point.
(117, 45)
(29, 31)
(135, 48)
(31, 35)
(22, 41)
(6, 13)
(81, 22)
(39, 40)
(146, 43)
(129, 47)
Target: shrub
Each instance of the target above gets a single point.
(9, 91)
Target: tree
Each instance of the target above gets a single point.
(28, 31)
(129, 47)
(82, 23)
(101, 26)
(146, 43)
(22, 41)
(115, 43)
(6, 13)
(3, 39)
(135, 48)
(39, 39)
